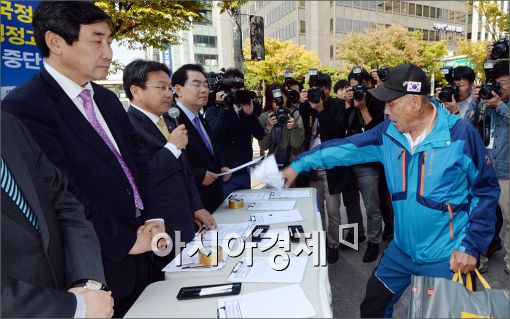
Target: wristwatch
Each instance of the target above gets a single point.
(89, 284)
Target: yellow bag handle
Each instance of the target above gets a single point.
(457, 277)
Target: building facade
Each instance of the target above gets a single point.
(478, 28)
(318, 25)
(208, 43)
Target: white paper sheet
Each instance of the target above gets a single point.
(267, 172)
(275, 217)
(284, 302)
(235, 169)
(261, 271)
(294, 193)
(242, 229)
(272, 205)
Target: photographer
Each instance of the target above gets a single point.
(294, 100)
(491, 116)
(331, 124)
(233, 124)
(463, 79)
(283, 130)
(368, 176)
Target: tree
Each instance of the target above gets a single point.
(233, 9)
(475, 51)
(389, 46)
(495, 20)
(281, 56)
(142, 24)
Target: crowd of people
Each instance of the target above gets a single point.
(87, 186)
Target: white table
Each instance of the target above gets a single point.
(159, 299)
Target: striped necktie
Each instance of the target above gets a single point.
(11, 188)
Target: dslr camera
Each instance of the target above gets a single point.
(359, 92)
(217, 82)
(292, 95)
(315, 91)
(383, 72)
(282, 113)
(491, 85)
(450, 89)
(500, 49)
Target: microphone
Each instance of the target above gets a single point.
(174, 113)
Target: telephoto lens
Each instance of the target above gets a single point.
(448, 91)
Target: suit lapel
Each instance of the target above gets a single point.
(192, 130)
(148, 126)
(13, 159)
(78, 124)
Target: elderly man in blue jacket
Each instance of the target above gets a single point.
(443, 186)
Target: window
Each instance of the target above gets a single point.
(426, 11)
(206, 59)
(302, 3)
(207, 41)
(419, 10)
(412, 9)
(330, 25)
(331, 52)
(302, 27)
(207, 14)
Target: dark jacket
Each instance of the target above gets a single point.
(95, 175)
(233, 134)
(39, 266)
(201, 160)
(332, 125)
(177, 193)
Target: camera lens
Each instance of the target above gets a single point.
(314, 95)
(445, 95)
(486, 92)
(500, 51)
(293, 96)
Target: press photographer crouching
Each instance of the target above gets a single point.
(489, 112)
(233, 124)
(456, 95)
(283, 127)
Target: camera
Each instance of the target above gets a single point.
(487, 89)
(292, 95)
(450, 90)
(500, 49)
(359, 92)
(356, 71)
(282, 113)
(240, 97)
(383, 72)
(314, 92)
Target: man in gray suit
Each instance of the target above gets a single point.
(51, 260)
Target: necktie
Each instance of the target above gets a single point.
(88, 105)
(11, 188)
(163, 128)
(201, 132)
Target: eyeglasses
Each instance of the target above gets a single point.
(203, 85)
(162, 88)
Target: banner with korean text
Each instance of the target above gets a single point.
(19, 54)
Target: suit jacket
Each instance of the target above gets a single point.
(333, 124)
(38, 267)
(95, 175)
(201, 160)
(177, 193)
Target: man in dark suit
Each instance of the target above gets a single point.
(84, 130)
(192, 90)
(147, 85)
(49, 249)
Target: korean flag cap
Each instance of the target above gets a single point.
(402, 79)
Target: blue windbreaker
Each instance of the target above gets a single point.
(444, 195)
